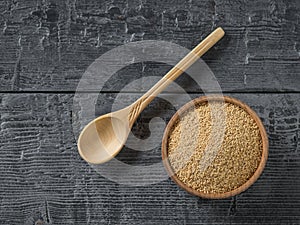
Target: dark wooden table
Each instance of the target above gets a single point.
(45, 48)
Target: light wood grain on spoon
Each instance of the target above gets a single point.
(103, 138)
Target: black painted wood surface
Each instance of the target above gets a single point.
(43, 177)
(46, 46)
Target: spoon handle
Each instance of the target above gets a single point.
(138, 106)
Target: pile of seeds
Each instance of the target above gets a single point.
(218, 161)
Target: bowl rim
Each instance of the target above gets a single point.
(233, 192)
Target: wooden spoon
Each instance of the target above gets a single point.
(103, 138)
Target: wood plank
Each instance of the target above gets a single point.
(44, 181)
(48, 45)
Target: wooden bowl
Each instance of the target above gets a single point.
(231, 193)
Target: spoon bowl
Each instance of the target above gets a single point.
(103, 138)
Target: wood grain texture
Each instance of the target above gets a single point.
(44, 181)
(47, 45)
